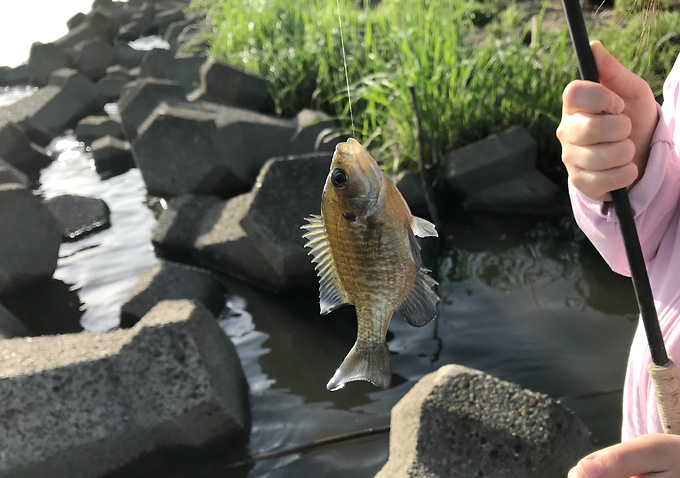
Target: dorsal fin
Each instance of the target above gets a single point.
(422, 227)
(420, 305)
(331, 295)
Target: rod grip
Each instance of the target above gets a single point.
(666, 384)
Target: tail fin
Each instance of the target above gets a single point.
(370, 362)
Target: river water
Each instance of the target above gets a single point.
(527, 301)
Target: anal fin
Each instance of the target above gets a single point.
(420, 305)
(369, 362)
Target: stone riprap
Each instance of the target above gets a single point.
(30, 239)
(411, 188)
(67, 98)
(490, 161)
(86, 404)
(275, 216)
(182, 68)
(171, 281)
(78, 215)
(140, 97)
(43, 60)
(16, 149)
(10, 326)
(92, 57)
(94, 127)
(460, 423)
(111, 85)
(226, 84)
(111, 155)
(14, 76)
(205, 148)
(126, 56)
(10, 174)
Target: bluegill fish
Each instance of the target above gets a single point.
(366, 254)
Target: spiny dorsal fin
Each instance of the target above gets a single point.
(422, 227)
(331, 295)
(420, 305)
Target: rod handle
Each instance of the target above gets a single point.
(666, 384)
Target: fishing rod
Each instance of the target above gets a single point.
(662, 370)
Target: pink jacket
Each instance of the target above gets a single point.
(655, 200)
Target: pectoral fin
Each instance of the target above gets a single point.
(420, 305)
(423, 228)
(331, 294)
(370, 362)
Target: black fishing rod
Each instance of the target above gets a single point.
(664, 370)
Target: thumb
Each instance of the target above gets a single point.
(614, 76)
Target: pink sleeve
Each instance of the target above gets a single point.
(653, 199)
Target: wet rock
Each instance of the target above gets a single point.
(43, 60)
(75, 20)
(93, 57)
(17, 150)
(14, 76)
(165, 64)
(172, 381)
(527, 193)
(170, 281)
(78, 215)
(175, 232)
(232, 86)
(125, 55)
(10, 174)
(411, 188)
(140, 98)
(68, 97)
(111, 85)
(458, 423)
(223, 245)
(10, 326)
(277, 212)
(93, 127)
(490, 161)
(111, 155)
(31, 239)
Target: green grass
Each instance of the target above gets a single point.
(465, 92)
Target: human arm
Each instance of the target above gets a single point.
(647, 455)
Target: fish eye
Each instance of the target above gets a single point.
(339, 178)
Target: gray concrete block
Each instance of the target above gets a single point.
(125, 55)
(17, 150)
(10, 174)
(276, 213)
(140, 97)
(93, 127)
(411, 188)
(526, 193)
(75, 20)
(171, 281)
(14, 76)
(175, 232)
(93, 57)
(165, 64)
(31, 239)
(459, 423)
(490, 161)
(86, 404)
(10, 326)
(97, 24)
(111, 155)
(43, 60)
(78, 215)
(222, 245)
(223, 83)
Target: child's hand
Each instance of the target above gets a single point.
(647, 455)
(606, 128)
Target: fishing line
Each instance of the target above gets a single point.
(344, 61)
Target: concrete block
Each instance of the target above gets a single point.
(31, 239)
(10, 174)
(86, 404)
(490, 161)
(171, 281)
(78, 215)
(460, 423)
(93, 57)
(165, 64)
(10, 326)
(93, 127)
(411, 188)
(140, 97)
(526, 193)
(111, 155)
(276, 214)
(17, 150)
(14, 76)
(43, 60)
